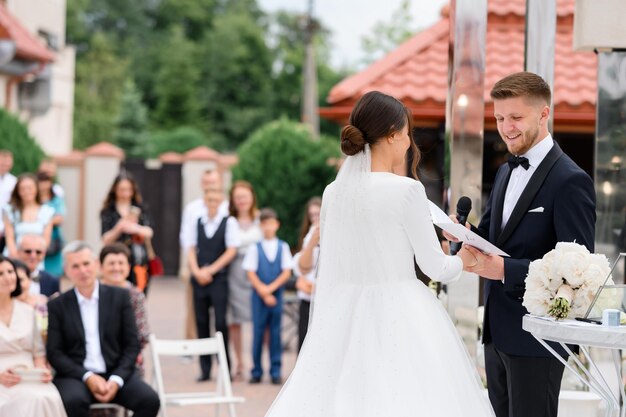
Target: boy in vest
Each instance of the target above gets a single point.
(216, 238)
(268, 264)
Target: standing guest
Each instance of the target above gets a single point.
(215, 240)
(32, 249)
(210, 179)
(523, 378)
(305, 262)
(92, 342)
(243, 208)
(268, 264)
(22, 349)
(53, 262)
(7, 183)
(25, 214)
(49, 166)
(115, 268)
(124, 219)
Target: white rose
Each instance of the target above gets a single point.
(537, 302)
(572, 266)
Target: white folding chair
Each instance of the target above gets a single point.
(209, 346)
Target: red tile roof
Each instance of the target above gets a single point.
(416, 72)
(27, 45)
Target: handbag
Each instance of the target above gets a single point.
(155, 264)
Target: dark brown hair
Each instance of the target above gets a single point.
(306, 221)
(522, 84)
(231, 205)
(110, 199)
(374, 117)
(268, 213)
(115, 249)
(16, 200)
(18, 287)
(44, 176)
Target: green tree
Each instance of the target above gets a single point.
(15, 138)
(131, 123)
(286, 167)
(177, 81)
(386, 36)
(179, 140)
(100, 76)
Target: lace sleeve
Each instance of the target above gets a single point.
(421, 233)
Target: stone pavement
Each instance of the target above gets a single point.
(166, 310)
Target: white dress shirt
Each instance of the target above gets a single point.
(520, 176)
(313, 272)
(270, 247)
(211, 224)
(192, 211)
(94, 361)
(7, 183)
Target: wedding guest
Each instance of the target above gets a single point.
(49, 166)
(92, 342)
(268, 264)
(210, 179)
(305, 262)
(25, 388)
(540, 197)
(213, 243)
(7, 183)
(243, 209)
(53, 262)
(124, 219)
(25, 214)
(115, 268)
(38, 302)
(32, 249)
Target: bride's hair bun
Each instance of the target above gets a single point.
(352, 140)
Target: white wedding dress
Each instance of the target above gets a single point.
(379, 342)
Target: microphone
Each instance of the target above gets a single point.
(463, 208)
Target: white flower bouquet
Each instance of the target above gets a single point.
(563, 283)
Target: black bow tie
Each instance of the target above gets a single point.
(515, 161)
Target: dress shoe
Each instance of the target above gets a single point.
(255, 380)
(276, 380)
(203, 378)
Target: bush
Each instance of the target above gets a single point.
(15, 137)
(286, 168)
(178, 140)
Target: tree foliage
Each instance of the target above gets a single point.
(15, 138)
(180, 139)
(131, 123)
(286, 167)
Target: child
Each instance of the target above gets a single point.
(268, 265)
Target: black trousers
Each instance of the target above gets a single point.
(522, 386)
(303, 322)
(213, 295)
(135, 395)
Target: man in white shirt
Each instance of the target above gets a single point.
(212, 246)
(7, 183)
(92, 342)
(210, 179)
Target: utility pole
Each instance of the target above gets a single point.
(310, 114)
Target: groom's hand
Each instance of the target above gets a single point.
(487, 266)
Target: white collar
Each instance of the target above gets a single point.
(95, 295)
(537, 153)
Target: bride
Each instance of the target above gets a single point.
(379, 343)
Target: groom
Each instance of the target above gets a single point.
(540, 197)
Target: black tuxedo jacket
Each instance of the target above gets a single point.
(49, 284)
(567, 196)
(119, 343)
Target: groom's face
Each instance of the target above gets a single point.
(522, 122)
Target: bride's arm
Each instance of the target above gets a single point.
(421, 233)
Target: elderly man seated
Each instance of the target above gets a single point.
(32, 251)
(92, 342)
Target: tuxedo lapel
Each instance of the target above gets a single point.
(529, 193)
(74, 310)
(499, 192)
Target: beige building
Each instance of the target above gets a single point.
(37, 70)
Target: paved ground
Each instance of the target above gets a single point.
(166, 314)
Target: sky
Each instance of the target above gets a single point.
(350, 20)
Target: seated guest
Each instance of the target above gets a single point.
(25, 388)
(32, 251)
(37, 301)
(114, 271)
(100, 317)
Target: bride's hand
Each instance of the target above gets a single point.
(469, 260)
